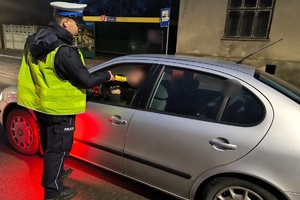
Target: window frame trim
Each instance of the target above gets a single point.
(242, 10)
(161, 68)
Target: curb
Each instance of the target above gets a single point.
(7, 56)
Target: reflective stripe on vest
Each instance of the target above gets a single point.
(40, 89)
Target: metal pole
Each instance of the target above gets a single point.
(162, 41)
(2, 35)
(12, 37)
(167, 42)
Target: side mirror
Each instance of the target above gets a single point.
(92, 92)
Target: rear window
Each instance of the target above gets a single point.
(278, 84)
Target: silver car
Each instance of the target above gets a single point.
(196, 129)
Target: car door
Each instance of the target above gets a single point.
(100, 131)
(181, 133)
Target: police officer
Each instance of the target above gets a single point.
(52, 81)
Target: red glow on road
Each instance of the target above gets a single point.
(23, 176)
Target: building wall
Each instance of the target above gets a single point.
(201, 29)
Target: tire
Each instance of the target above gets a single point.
(222, 186)
(22, 131)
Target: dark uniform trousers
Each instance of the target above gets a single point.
(57, 133)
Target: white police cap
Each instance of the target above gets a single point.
(70, 10)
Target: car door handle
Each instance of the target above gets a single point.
(222, 145)
(116, 120)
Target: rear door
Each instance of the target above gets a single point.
(179, 133)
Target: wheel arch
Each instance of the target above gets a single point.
(277, 192)
(11, 107)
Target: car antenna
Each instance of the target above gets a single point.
(240, 62)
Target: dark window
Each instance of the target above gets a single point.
(244, 108)
(187, 93)
(249, 18)
(128, 78)
(205, 96)
(235, 3)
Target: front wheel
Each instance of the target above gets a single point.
(22, 131)
(224, 188)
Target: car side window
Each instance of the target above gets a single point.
(188, 93)
(128, 79)
(244, 108)
(205, 96)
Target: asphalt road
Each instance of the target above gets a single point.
(9, 65)
(20, 176)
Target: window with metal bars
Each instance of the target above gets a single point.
(249, 19)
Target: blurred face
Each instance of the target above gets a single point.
(70, 25)
(176, 81)
(135, 77)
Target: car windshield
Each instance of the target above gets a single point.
(278, 84)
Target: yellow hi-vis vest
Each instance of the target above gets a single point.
(40, 89)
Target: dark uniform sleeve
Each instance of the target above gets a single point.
(68, 66)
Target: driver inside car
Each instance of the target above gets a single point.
(134, 78)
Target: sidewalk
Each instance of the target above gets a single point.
(10, 61)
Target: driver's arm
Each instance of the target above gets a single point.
(68, 64)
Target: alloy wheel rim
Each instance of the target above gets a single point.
(237, 193)
(21, 132)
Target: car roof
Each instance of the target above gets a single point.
(191, 60)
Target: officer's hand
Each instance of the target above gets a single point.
(112, 78)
